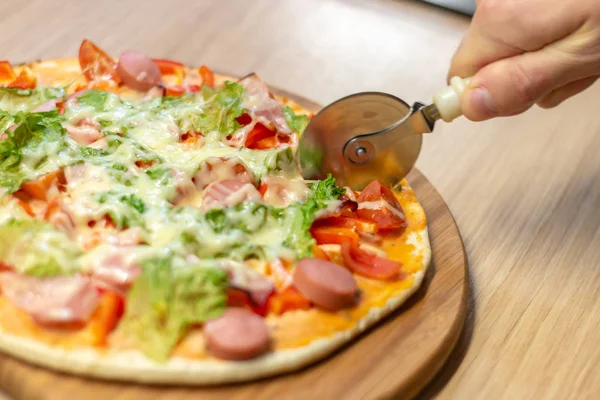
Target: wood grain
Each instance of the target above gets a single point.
(524, 190)
(394, 360)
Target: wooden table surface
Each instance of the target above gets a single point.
(525, 191)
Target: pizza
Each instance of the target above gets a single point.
(154, 226)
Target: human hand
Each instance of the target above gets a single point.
(523, 52)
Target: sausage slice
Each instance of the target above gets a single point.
(326, 284)
(138, 71)
(238, 334)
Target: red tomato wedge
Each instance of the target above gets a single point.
(39, 188)
(239, 298)
(378, 204)
(357, 224)
(258, 133)
(96, 64)
(334, 235)
(26, 206)
(169, 67)
(369, 265)
(173, 68)
(288, 300)
(7, 75)
(320, 253)
(106, 317)
(244, 119)
(208, 77)
(178, 90)
(263, 138)
(25, 80)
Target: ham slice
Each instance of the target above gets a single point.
(227, 193)
(117, 269)
(281, 192)
(62, 299)
(218, 169)
(47, 106)
(260, 102)
(243, 277)
(85, 132)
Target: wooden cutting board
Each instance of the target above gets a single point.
(394, 359)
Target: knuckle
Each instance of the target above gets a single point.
(525, 83)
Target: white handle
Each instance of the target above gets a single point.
(447, 101)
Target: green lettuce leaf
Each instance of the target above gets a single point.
(94, 98)
(166, 300)
(36, 248)
(296, 122)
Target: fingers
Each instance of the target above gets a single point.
(502, 29)
(561, 94)
(512, 85)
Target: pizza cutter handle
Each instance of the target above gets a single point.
(447, 101)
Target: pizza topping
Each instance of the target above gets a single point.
(166, 299)
(138, 71)
(227, 193)
(85, 132)
(219, 169)
(281, 192)
(96, 64)
(58, 300)
(37, 248)
(377, 203)
(261, 103)
(237, 335)
(47, 106)
(326, 284)
(116, 268)
(7, 74)
(243, 277)
(370, 265)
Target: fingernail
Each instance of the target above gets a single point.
(481, 102)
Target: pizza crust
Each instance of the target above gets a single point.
(133, 366)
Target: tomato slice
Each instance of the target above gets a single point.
(39, 188)
(320, 253)
(25, 80)
(26, 206)
(178, 90)
(334, 235)
(258, 133)
(239, 298)
(175, 70)
(384, 208)
(7, 75)
(288, 300)
(244, 119)
(168, 67)
(369, 265)
(106, 317)
(357, 224)
(96, 64)
(208, 77)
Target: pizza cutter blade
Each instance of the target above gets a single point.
(372, 136)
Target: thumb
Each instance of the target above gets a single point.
(512, 85)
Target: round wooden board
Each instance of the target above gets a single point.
(394, 359)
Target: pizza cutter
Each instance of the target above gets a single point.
(373, 136)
